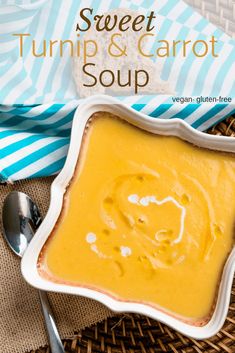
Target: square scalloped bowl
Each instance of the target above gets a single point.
(120, 303)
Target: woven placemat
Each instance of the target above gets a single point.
(220, 12)
(131, 333)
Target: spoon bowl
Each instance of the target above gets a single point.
(21, 218)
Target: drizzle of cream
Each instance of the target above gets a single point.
(91, 238)
(133, 199)
(99, 253)
(125, 251)
(146, 200)
(94, 248)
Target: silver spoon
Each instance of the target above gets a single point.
(21, 218)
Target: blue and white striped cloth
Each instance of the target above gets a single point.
(38, 95)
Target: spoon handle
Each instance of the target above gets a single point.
(53, 334)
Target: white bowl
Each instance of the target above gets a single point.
(174, 127)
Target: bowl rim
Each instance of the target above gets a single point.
(174, 127)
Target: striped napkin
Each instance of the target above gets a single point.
(38, 95)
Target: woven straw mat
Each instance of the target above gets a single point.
(220, 12)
